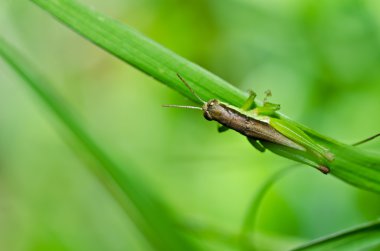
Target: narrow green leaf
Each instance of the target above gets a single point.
(141, 52)
(352, 165)
(365, 237)
(156, 222)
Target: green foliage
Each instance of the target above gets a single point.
(351, 164)
(147, 209)
(157, 223)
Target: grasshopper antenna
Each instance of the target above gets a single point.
(184, 106)
(191, 89)
(193, 92)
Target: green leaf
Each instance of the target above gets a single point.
(365, 237)
(141, 52)
(157, 223)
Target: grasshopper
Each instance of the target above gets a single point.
(264, 129)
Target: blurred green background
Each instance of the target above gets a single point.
(320, 59)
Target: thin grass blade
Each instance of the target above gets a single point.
(155, 221)
(365, 237)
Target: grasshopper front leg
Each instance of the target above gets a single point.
(249, 104)
(222, 128)
(256, 144)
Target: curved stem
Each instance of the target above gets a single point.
(248, 226)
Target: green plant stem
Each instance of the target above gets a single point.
(352, 165)
(247, 241)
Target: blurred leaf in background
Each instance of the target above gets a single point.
(319, 58)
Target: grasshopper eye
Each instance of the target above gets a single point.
(207, 115)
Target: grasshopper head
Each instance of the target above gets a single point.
(210, 109)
